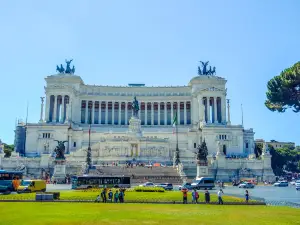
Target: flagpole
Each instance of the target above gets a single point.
(242, 114)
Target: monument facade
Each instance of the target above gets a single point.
(122, 129)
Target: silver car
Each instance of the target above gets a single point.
(246, 185)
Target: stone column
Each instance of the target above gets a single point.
(47, 108)
(126, 113)
(120, 107)
(62, 107)
(215, 110)
(178, 112)
(99, 116)
(67, 113)
(194, 110)
(172, 113)
(42, 110)
(146, 113)
(106, 112)
(93, 113)
(208, 110)
(223, 109)
(55, 109)
(201, 109)
(113, 113)
(228, 108)
(185, 117)
(165, 113)
(158, 111)
(152, 113)
(87, 112)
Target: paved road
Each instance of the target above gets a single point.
(269, 193)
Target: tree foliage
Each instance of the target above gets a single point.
(258, 149)
(285, 158)
(284, 90)
(8, 149)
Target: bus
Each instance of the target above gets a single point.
(6, 178)
(89, 181)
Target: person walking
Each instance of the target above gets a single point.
(195, 196)
(116, 196)
(247, 196)
(220, 194)
(207, 196)
(121, 196)
(103, 195)
(110, 196)
(184, 193)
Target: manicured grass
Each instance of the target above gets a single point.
(35, 213)
(168, 196)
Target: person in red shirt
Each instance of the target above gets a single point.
(184, 192)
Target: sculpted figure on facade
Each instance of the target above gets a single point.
(135, 107)
(60, 150)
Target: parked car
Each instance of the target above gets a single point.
(147, 184)
(185, 185)
(246, 185)
(281, 184)
(166, 186)
(297, 185)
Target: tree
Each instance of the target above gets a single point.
(258, 149)
(8, 149)
(286, 158)
(284, 90)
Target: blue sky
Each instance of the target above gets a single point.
(153, 42)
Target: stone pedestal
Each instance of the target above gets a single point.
(222, 173)
(268, 173)
(202, 170)
(135, 127)
(59, 174)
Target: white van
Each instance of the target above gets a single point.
(203, 182)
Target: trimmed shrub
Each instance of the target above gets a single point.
(149, 189)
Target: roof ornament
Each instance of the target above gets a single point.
(205, 70)
(60, 69)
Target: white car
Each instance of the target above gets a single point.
(147, 184)
(297, 185)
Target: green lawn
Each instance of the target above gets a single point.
(33, 213)
(168, 196)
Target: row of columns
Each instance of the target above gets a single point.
(52, 114)
(173, 112)
(205, 108)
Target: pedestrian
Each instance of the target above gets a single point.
(121, 196)
(195, 196)
(103, 195)
(207, 196)
(184, 193)
(110, 196)
(247, 196)
(116, 196)
(220, 200)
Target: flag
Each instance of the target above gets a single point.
(174, 122)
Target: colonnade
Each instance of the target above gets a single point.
(150, 113)
(56, 108)
(212, 109)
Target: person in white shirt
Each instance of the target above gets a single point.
(220, 193)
